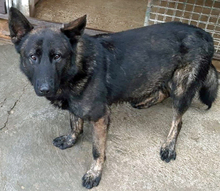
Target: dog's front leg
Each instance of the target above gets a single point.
(67, 141)
(93, 176)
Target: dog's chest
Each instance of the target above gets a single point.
(80, 108)
(88, 107)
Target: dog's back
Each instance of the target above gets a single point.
(153, 54)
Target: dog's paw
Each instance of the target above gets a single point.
(64, 142)
(91, 179)
(167, 153)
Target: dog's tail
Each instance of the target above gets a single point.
(209, 89)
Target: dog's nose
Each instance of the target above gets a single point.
(44, 89)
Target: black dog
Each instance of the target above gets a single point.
(85, 74)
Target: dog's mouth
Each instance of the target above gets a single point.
(56, 93)
(46, 88)
(45, 91)
(44, 94)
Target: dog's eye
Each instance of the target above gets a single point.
(33, 57)
(56, 56)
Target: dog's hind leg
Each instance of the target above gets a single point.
(183, 89)
(167, 151)
(93, 176)
(67, 141)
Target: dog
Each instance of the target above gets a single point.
(86, 74)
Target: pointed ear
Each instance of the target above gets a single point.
(19, 26)
(74, 29)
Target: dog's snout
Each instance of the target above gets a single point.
(44, 89)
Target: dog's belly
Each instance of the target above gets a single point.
(147, 91)
(150, 99)
(137, 89)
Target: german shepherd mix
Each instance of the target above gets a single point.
(86, 74)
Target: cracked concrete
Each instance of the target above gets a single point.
(12, 108)
(29, 161)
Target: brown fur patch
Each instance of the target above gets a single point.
(175, 129)
(92, 177)
(99, 138)
(183, 78)
(76, 125)
(155, 98)
(79, 52)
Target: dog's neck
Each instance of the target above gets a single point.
(84, 63)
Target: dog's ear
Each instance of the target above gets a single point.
(19, 26)
(74, 29)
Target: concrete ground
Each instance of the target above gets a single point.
(29, 161)
(114, 15)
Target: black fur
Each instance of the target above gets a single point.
(64, 142)
(89, 183)
(85, 74)
(208, 93)
(95, 152)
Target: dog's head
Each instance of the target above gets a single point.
(46, 53)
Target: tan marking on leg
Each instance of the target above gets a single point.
(175, 129)
(93, 176)
(99, 140)
(167, 151)
(76, 126)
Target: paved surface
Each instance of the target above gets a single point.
(30, 162)
(104, 15)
